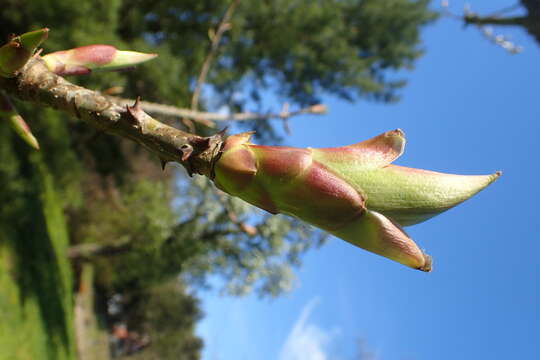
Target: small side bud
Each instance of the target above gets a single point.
(16, 53)
(8, 111)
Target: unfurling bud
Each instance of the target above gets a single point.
(8, 111)
(16, 53)
(352, 192)
(85, 59)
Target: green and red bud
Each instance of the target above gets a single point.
(16, 53)
(8, 111)
(85, 59)
(353, 192)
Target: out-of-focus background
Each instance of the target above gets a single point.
(104, 255)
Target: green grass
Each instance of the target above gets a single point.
(36, 311)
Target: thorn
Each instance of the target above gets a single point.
(137, 105)
(219, 135)
(223, 132)
(189, 170)
(135, 111)
(163, 163)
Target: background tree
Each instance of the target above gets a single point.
(524, 13)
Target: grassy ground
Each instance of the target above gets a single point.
(36, 311)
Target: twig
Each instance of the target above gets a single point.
(207, 118)
(472, 18)
(215, 39)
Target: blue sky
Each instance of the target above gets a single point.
(469, 108)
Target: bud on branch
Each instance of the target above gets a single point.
(16, 53)
(85, 59)
(352, 192)
(8, 112)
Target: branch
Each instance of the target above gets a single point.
(494, 20)
(206, 118)
(482, 22)
(36, 83)
(224, 25)
(470, 17)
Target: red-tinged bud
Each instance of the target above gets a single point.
(85, 59)
(352, 192)
(16, 53)
(8, 111)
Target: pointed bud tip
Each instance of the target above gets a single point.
(427, 267)
(124, 58)
(34, 145)
(23, 130)
(494, 176)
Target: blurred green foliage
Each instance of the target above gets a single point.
(35, 275)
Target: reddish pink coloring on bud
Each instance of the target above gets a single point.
(96, 54)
